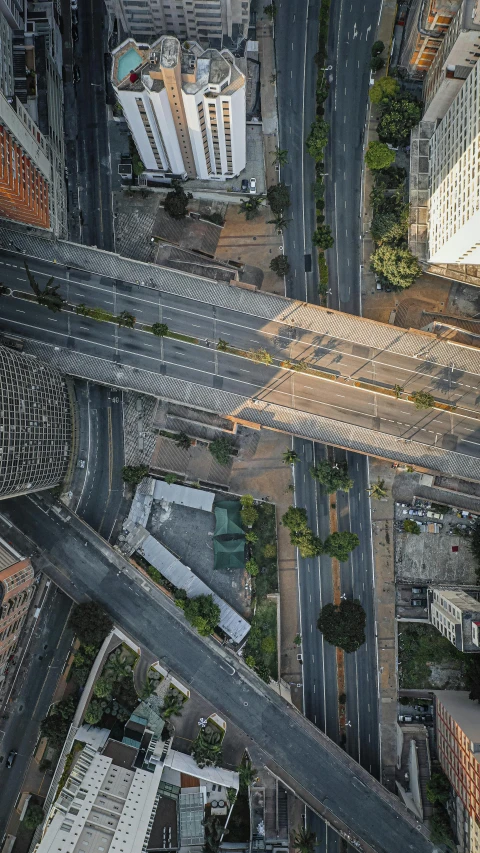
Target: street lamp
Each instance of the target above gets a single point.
(328, 68)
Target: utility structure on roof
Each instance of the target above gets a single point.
(185, 108)
(35, 425)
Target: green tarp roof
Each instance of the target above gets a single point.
(227, 518)
(229, 554)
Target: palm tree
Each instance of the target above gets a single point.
(280, 222)
(117, 666)
(398, 390)
(249, 206)
(126, 319)
(304, 841)
(281, 157)
(48, 296)
(290, 457)
(160, 329)
(377, 490)
(172, 704)
(222, 345)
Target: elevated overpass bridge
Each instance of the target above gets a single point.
(320, 374)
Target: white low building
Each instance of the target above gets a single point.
(185, 108)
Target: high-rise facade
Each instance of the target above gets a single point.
(6, 57)
(456, 614)
(427, 23)
(457, 723)
(454, 179)
(16, 590)
(453, 63)
(25, 168)
(35, 425)
(213, 22)
(185, 108)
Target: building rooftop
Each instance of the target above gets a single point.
(169, 52)
(465, 712)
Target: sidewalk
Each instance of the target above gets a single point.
(24, 641)
(268, 91)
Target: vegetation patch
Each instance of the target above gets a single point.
(343, 625)
(422, 649)
(260, 650)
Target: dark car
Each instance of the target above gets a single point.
(75, 33)
(11, 758)
(245, 185)
(76, 73)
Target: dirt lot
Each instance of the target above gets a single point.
(254, 243)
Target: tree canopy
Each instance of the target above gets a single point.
(278, 197)
(304, 840)
(295, 518)
(384, 89)
(333, 477)
(176, 201)
(49, 296)
(280, 265)
(340, 544)
(390, 227)
(317, 139)
(411, 526)
(438, 788)
(33, 816)
(203, 613)
(396, 264)
(423, 400)
(90, 622)
(221, 450)
(397, 119)
(322, 237)
(378, 155)
(134, 474)
(160, 329)
(343, 624)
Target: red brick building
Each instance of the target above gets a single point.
(16, 590)
(23, 188)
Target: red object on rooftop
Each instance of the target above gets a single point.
(133, 77)
(455, 548)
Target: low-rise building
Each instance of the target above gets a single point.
(185, 108)
(457, 721)
(16, 590)
(456, 614)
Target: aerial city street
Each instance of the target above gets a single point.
(239, 426)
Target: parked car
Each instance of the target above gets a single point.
(253, 186)
(74, 5)
(436, 515)
(418, 602)
(11, 758)
(245, 185)
(419, 512)
(76, 73)
(419, 590)
(74, 33)
(421, 708)
(405, 718)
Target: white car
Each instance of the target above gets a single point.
(253, 186)
(74, 4)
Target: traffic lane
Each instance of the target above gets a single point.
(276, 727)
(239, 375)
(95, 496)
(247, 332)
(44, 662)
(116, 495)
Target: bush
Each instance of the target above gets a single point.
(252, 568)
(317, 139)
(343, 625)
(440, 829)
(411, 526)
(322, 237)
(384, 89)
(202, 613)
(270, 551)
(423, 400)
(134, 474)
(378, 155)
(438, 788)
(90, 623)
(221, 450)
(280, 265)
(33, 816)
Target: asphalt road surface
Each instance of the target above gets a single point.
(32, 695)
(289, 741)
(307, 392)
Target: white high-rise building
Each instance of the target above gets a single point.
(185, 108)
(207, 21)
(454, 180)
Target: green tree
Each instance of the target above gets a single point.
(390, 227)
(252, 567)
(333, 476)
(221, 450)
(423, 400)
(280, 265)
(280, 157)
(94, 712)
(90, 623)
(376, 63)
(246, 774)
(322, 237)
(160, 329)
(207, 747)
(290, 457)
(214, 830)
(441, 830)
(317, 139)
(343, 624)
(279, 221)
(411, 526)
(126, 319)
(33, 816)
(248, 513)
(307, 543)
(377, 490)
(304, 840)
(182, 440)
(339, 545)
(270, 10)
(222, 345)
(278, 197)
(378, 155)
(295, 519)
(103, 688)
(250, 206)
(396, 264)
(438, 788)
(203, 613)
(398, 118)
(66, 708)
(173, 704)
(377, 48)
(385, 89)
(134, 474)
(176, 202)
(49, 297)
(398, 390)
(117, 666)
(55, 728)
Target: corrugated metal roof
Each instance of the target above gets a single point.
(184, 495)
(181, 576)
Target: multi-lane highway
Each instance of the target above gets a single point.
(339, 399)
(73, 554)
